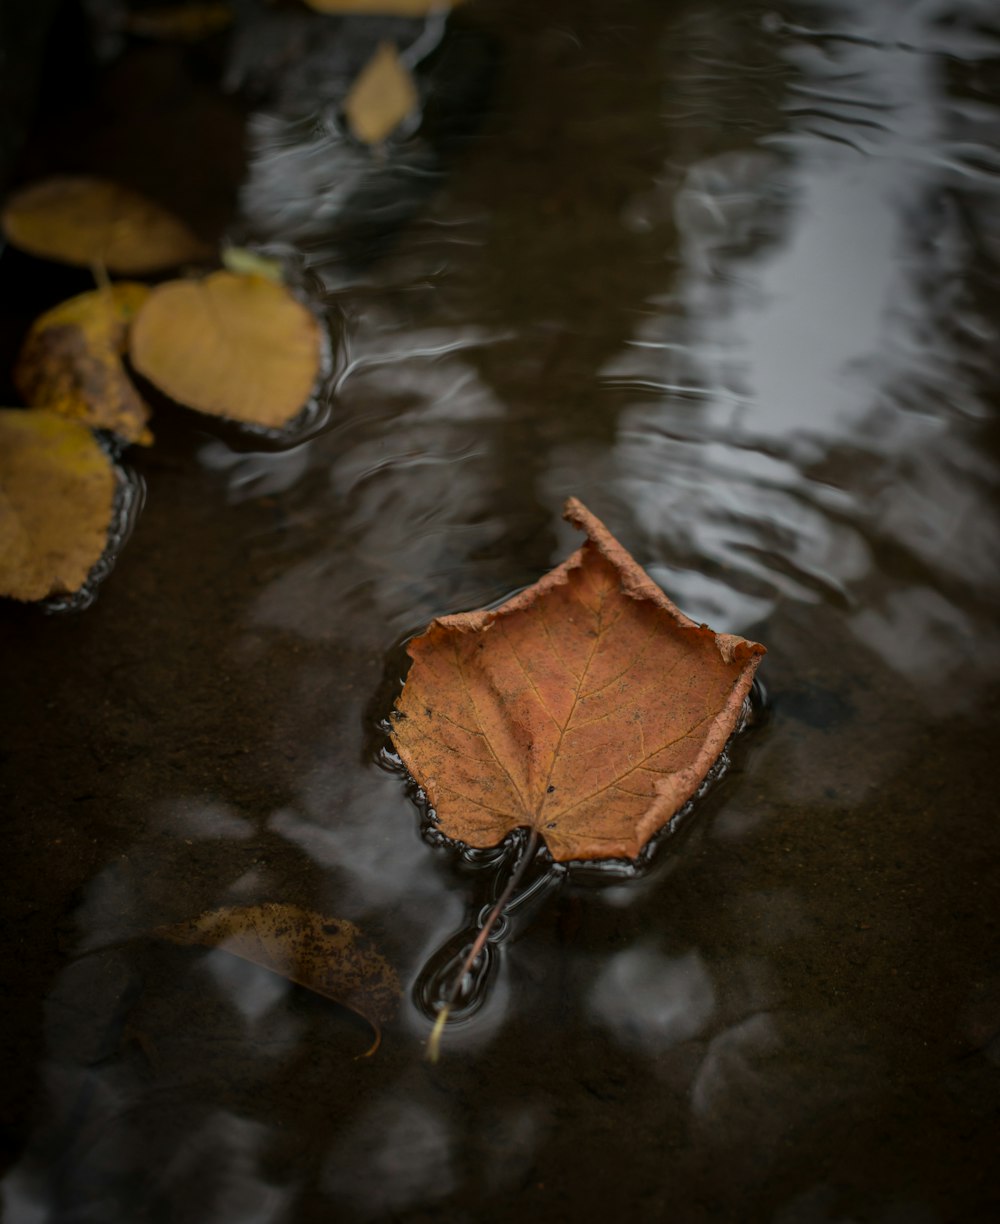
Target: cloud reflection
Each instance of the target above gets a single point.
(808, 396)
(396, 1157)
(652, 1001)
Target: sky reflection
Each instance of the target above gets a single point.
(652, 1001)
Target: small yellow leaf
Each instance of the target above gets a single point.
(71, 361)
(330, 956)
(57, 490)
(180, 22)
(381, 97)
(88, 221)
(235, 346)
(391, 8)
(245, 262)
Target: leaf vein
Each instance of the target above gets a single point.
(486, 738)
(517, 660)
(632, 768)
(624, 672)
(569, 718)
(548, 633)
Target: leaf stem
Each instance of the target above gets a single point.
(527, 856)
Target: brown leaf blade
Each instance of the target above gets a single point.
(330, 956)
(71, 362)
(81, 220)
(57, 490)
(241, 347)
(181, 23)
(387, 8)
(587, 707)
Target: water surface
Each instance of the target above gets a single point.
(729, 275)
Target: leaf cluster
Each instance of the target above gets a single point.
(235, 344)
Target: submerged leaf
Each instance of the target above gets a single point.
(235, 346)
(330, 956)
(57, 490)
(180, 22)
(381, 97)
(71, 361)
(87, 221)
(390, 8)
(588, 707)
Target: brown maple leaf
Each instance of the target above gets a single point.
(587, 708)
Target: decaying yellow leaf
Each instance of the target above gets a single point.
(381, 97)
(71, 361)
(180, 22)
(235, 346)
(330, 956)
(88, 221)
(393, 8)
(57, 490)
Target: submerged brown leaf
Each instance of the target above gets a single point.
(71, 361)
(329, 956)
(93, 221)
(381, 97)
(391, 8)
(235, 346)
(57, 490)
(180, 22)
(588, 707)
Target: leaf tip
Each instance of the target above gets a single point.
(373, 1048)
(575, 512)
(735, 649)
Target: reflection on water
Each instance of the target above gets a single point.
(731, 278)
(396, 1156)
(652, 1000)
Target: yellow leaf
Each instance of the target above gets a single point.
(245, 262)
(381, 97)
(183, 22)
(57, 490)
(88, 221)
(71, 361)
(327, 955)
(393, 8)
(235, 346)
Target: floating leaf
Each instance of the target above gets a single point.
(381, 97)
(88, 221)
(234, 346)
(588, 707)
(327, 955)
(180, 22)
(71, 361)
(57, 490)
(391, 8)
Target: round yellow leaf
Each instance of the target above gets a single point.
(234, 346)
(71, 361)
(82, 220)
(57, 491)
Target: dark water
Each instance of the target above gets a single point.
(729, 274)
